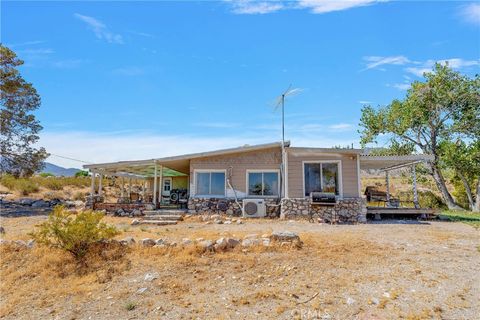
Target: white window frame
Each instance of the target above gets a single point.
(262, 171)
(340, 178)
(195, 171)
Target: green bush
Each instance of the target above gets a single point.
(46, 174)
(74, 233)
(23, 185)
(81, 173)
(426, 199)
(53, 184)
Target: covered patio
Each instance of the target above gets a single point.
(144, 184)
(381, 202)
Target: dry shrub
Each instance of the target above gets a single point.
(23, 185)
(43, 276)
(74, 233)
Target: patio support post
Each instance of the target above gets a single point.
(155, 185)
(92, 189)
(387, 181)
(415, 193)
(100, 177)
(161, 184)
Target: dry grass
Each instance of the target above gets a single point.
(375, 265)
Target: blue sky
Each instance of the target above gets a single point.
(132, 80)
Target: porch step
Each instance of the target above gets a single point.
(158, 222)
(164, 212)
(163, 217)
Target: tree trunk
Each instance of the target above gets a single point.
(442, 187)
(476, 206)
(468, 190)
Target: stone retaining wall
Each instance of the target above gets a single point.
(347, 210)
(127, 207)
(213, 206)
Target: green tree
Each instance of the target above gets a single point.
(464, 159)
(445, 107)
(81, 173)
(18, 126)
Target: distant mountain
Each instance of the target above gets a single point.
(59, 171)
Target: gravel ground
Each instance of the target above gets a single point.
(387, 270)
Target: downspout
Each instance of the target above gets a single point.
(229, 176)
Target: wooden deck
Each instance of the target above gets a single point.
(379, 211)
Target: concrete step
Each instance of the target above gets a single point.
(172, 217)
(164, 212)
(158, 222)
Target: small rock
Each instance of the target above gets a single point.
(30, 243)
(142, 290)
(20, 243)
(149, 277)
(186, 241)
(206, 244)
(148, 242)
(127, 241)
(160, 241)
(374, 301)
(350, 301)
(135, 222)
(232, 242)
(386, 295)
(136, 213)
(228, 222)
(215, 217)
(250, 242)
(3, 241)
(218, 221)
(266, 242)
(239, 221)
(284, 236)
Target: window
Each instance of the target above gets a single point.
(321, 177)
(263, 183)
(210, 184)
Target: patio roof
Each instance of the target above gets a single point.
(387, 163)
(172, 166)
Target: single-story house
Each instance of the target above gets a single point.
(283, 180)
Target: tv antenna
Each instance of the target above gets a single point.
(281, 103)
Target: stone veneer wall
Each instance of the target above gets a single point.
(210, 206)
(347, 210)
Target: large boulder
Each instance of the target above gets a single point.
(40, 204)
(26, 201)
(284, 236)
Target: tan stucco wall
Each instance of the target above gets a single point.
(295, 172)
(240, 163)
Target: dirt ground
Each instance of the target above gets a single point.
(389, 270)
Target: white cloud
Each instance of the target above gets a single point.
(315, 6)
(471, 13)
(454, 63)
(401, 86)
(100, 29)
(364, 102)
(67, 64)
(341, 127)
(376, 61)
(325, 6)
(26, 43)
(115, 146)
(255, 7)
(129, 71)
(217, 125)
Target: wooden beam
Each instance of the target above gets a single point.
(155, 186)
